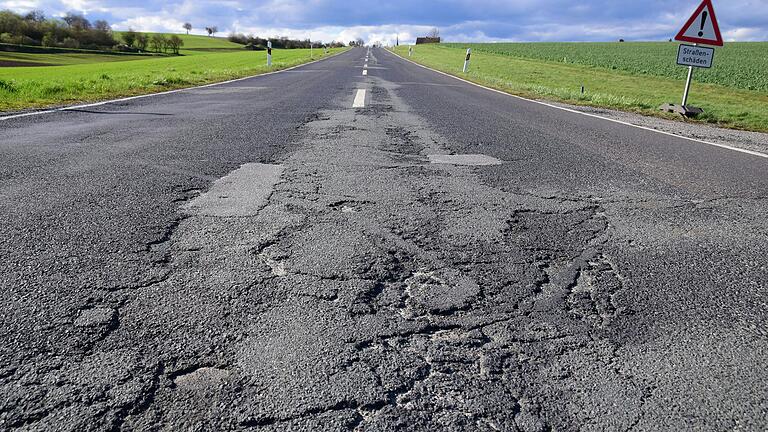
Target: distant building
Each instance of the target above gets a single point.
(427, 40)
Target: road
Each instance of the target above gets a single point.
(262, 255)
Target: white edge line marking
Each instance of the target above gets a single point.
(359, 99)
(111, 101)
(724, 146)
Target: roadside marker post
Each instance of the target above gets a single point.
(410, 51)
(701, 28)
(269, 53)
(466, 60)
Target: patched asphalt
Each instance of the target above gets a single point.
(261, 255)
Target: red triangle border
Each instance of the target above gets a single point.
(719, 38)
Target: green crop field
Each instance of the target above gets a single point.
(636, 77)
(35, 87)
(739, 65)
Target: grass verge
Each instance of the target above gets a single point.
(40, 87)
(539, 79)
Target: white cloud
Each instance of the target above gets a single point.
(746, 34)
(459, 20)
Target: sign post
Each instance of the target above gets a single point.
(701, 28)
(466, 60)
(269, 53)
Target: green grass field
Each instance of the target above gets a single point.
(198, 43)
(634, 77)
(36, 87)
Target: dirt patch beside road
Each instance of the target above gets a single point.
(12, 63)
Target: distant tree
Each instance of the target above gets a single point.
(129, 37)
(434, 33)
(175, 43)
(36, 16)
(101, 26)
(360, 42)
(212, 30)
(188, 27)
(49, 40)
(77, 22)
(70, 43)
(100, 36)
(142, 40)
(158, 43)
(239, 38)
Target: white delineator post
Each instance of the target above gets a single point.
(269, 53)
(410, 51)
(466, 60)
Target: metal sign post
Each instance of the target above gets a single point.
(687, 86)
(466, 61)
(693, 56)
(269, 53)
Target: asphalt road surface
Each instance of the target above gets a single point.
(262, 255)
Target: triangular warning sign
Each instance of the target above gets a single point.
(702, 27)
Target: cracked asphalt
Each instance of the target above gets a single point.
(261, 256)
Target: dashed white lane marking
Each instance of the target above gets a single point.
(723, 146)
(359, 99)
(365, 72)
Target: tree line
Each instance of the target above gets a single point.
(71, 31)
(156, 42)
(76, 31)
(255, 42)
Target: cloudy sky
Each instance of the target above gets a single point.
(382, 20)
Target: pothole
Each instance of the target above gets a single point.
(464, 159)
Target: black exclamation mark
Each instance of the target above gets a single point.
(703, 21)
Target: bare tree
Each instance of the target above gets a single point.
(434, 33)
(175, 43)
(142, 40)
(35, 16)
(188, 27)
(158, 42)
(77, 22)
(102, 26)
(129, 37)
(212, 30)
